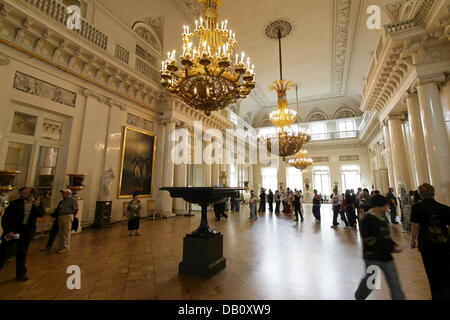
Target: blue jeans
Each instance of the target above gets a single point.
(390, 272)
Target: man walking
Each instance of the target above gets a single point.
(67, 209)
(377, 250)
(19, 223)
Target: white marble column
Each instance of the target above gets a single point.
(420, 166)
(168, 173)
(398, 151)
(207, 176)
(436, 137)
(215, 174)
(180, 180)
(445, 98)
(390, 167)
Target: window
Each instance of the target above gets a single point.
(351, 177)
(318, 131)
(346, 129)
(321, 180)
(346, 125)
(294, 178)
(269, 178)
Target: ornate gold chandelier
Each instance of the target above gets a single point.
(287, 138)
(208, 80)
(301, 160)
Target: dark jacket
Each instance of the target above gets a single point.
(377, 242)
(421, 214)
(12, 220)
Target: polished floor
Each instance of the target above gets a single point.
(270, 258)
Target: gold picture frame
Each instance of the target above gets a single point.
(136, 173)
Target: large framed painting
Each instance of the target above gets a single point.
(137, 164)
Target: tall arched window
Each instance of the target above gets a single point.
(321, 180)
(351, 177)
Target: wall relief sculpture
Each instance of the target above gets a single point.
(37, 87)
(139, 122)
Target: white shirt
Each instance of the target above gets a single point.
(27, 211)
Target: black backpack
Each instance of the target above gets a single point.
(437, 232)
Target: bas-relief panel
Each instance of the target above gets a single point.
(139, 122)
(349, 158)
(320, 159)
(37, 87)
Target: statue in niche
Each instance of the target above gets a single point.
(108, 178)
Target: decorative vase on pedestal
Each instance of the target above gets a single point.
(76, 182)
(7, 178)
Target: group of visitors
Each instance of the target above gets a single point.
(19, 226)
(291, 200)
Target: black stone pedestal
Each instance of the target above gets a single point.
(203, 248)
(202, 257)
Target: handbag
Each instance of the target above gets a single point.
(75, 224)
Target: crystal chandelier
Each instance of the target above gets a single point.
(301, 160)
(208, 79)
(287, 137)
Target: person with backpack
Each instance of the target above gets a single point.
(430, 222)
(378, 248)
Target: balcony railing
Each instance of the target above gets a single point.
(57, 11)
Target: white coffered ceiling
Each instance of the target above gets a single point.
(327, 53)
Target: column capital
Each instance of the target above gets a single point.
(396, 116)
(437, 78)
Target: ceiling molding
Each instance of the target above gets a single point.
(343, 10)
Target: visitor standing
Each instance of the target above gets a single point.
(270, 200)
(349, 203)
(253, 201)
(430, 222)
(277, 201)
(298, 206)
(262, 200)
(317, 202)
(19, 226)
(67, 210)
(405, 205)
(392, 205)
(134, 215)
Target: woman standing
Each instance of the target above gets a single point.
(262, 201)
(317, 202)
(405, 204)
(349, 203)
(253, 201)
(134, 215)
